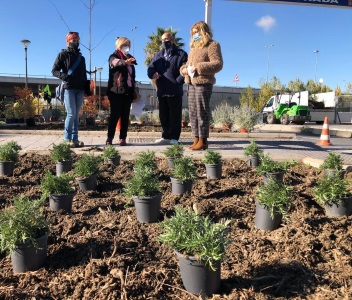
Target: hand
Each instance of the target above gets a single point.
(185, 72)
(156, 75)
(130, 61)
(193, 69)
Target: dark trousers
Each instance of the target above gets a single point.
(170, 112)
(120, 106)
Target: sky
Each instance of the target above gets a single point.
(243, 29)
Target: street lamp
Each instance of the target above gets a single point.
(133, 29)
(267, 69)
(25, 45)
(100, 69)
(316, 63)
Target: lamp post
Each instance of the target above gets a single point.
(100, 69)
(25, 45)
(316, 63)
(267, 68)
(133, 29)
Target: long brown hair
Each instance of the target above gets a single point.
(204, 31)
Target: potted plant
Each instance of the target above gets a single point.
(271, 168)
(245, 118)
(200, 245)
(62, 155)
(333, 193)
(173, 151)
(86, 170)
(24, 233)
(144, 189)
(112, 155)
(273, 199)
(213, 164)
(145, 159)
(91, 109)
(9, 153)
(185, 117)
(332, 163)
(223, 114)
(24, 106)
(59, 190)
(156, 117)
(253, 152)
(182, 175)
(143, 118)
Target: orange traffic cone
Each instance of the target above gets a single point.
(325, 135)
(118, 126)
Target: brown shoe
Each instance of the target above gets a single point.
(201, 145)
(195, 142)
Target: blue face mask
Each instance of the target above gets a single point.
(196, 37)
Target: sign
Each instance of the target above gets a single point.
(322, 3)
(236, 78)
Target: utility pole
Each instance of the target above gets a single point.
(208, 11)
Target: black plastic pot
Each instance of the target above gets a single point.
(178, 187)
(171, 162)
(263, 219)
(6, 168)
(63, 167)
(253, 161)
(278, 176)
(197, 278)
(88, 184)
(147, 208)
(58, 202)
(214, 171)
(26, 257)
(339, 210)
(115, 161)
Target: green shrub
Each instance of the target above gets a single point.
(252, 149)
(145, 159)
(267, 165)
(22, 223)
(61, 152)
(87, 165)
(174, 150)
(56, 185)
(184, 169)
(9, 151)
(194, 235)
(333, 161)
(110, 152)
(212, 157)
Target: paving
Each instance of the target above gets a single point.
(280, 142)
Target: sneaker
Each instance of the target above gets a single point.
(108, 141)
(71, 144)
(173, 142)
(78, 143)
(123, 142)
(162, 141)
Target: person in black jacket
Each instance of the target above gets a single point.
(74, 85)
(165, 69)
(121, 86)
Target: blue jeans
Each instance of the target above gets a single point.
(73, 101)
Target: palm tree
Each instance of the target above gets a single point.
(154, 44)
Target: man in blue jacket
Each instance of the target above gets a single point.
(165, 70)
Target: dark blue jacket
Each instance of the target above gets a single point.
(171, 82)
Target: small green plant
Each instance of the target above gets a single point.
(9, 151)
(330, 189)
(194, 235)
(56, 185)
(110, 152)
(184, 169)
(276, 196)
(156, 116)
(252, 149)
(61, 152)
(245, 117)
(145, 159)
(87, 165)
(185, 115)
(268, 165)
(174, 150)
(143, 183)
(212, 157)
(22, 223)
(144, 117)
(333, 161)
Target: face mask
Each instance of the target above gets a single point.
(166, 45)
(125, 50)
(73, 45)
(196, 37)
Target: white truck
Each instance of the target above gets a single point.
(297, 108)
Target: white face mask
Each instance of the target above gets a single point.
(125, 50)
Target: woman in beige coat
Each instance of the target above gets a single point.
(204, 60)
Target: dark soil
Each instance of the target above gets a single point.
(100, 251)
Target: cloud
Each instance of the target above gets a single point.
(266, 23)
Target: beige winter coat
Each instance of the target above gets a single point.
(207, 60)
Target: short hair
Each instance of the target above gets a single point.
(205, 32)
(122, 41)
(170, 34)
(72, 35)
